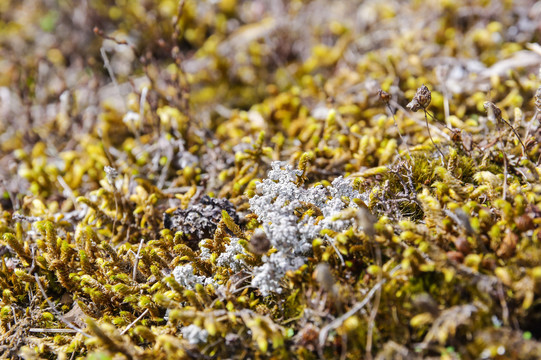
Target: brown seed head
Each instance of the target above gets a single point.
(421, 100)
(384, 96)
(524, 223)
(489, 106)
(259, 243)
(462, 245)
(322, 274)
(508, 246)
(455, 256)
(366, 220)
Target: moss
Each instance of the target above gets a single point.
(134, 138)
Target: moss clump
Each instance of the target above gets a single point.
(241, 179)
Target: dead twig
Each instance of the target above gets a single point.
(134, 322)
(137, 259)
(375, 307)
(41, 330)
(56, 312)
(324, 333)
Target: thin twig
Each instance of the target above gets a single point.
(323, 334)
(57, 313)
(329, 240)
(68, 191)
(398, 129)
(241, 288)
(142, 101)
(374, 311)
(116, 211)
(177, 190)
(528, 129)
(504, 175)
(137, 259)
(134, 322)
(419, 122)
(430, 135)
(176, 25)
(109, 68)
(516, 134)
(165, 168)
(15, 320)
(100, 33)
(495, 113)
(41, 330)
(503, 304)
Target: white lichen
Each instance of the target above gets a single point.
(194, 334)
(276, 204)
(231, 258)
(185, 276)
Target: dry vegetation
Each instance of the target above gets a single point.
(270, 179)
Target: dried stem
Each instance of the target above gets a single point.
(134, 322)
(323, 334)
(504, 175)
(56, 312)
(375, 307)
(516, 134)
(431, 139)
(398, 129)
(137, 260)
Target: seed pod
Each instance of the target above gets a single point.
(489, 106)
(462, 245)
(421, 100)
(322, 274)
(366, 220)
(508, 245)
(455, 256)
(259, 243)
(384, 96)
(524, 223)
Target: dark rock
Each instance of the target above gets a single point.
(199, 220)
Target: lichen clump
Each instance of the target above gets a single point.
(292, 217)
(263, 179)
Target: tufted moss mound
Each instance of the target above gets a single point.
(259, 179)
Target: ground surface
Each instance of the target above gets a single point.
(270, 179)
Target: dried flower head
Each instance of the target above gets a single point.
(524, 223)
(491, 107)
(384, 96)
(421, 100)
